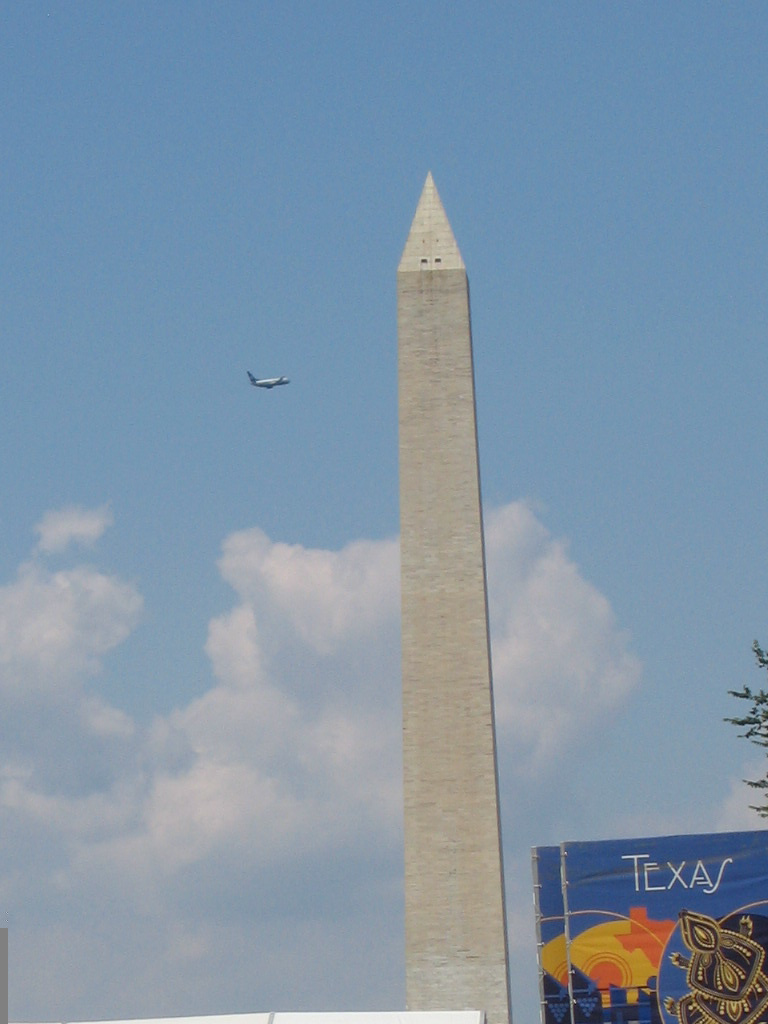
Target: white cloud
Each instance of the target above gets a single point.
(296, 748)
(66, 754)
(270, 804)
(325, 595)
(56, 627)
(553, 634)
(736, 813)
(73, 524)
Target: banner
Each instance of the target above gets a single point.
(550, 935)
(666, 930)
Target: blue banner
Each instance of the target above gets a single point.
(550, 936)
(665, 930)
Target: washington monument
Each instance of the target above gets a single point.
(455, 928)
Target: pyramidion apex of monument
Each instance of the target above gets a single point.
(430, 245)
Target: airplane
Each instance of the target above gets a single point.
(266, 382)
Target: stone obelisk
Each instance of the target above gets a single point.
(455, 927)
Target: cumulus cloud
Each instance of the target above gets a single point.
(294, 752)
(326, 596)
(295, 749)
(552, 633)
(56, 627)
(72, 525)
(736, 812)
(272, 801)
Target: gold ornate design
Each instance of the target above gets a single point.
(725, 974)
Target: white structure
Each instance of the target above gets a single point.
(449, 1017)
(455, 927)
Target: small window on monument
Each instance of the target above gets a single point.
(424, 259)
(438, 259)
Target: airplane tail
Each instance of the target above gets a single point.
(251, 378)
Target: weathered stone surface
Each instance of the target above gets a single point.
(456, 946)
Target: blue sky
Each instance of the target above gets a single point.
(199, 676)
